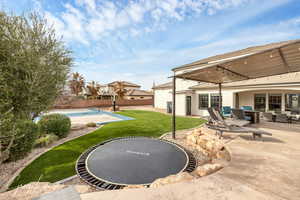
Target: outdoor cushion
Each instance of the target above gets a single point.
(226, 111)
(246, 108)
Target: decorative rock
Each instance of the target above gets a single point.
(181, 177)
(197, 132)
(192, 139)
(207, 169)
(223, 155)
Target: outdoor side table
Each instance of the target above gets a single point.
(254, 115)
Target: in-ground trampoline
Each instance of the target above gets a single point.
(119, 162)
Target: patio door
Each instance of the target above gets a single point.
(188, 103)
(169, 106)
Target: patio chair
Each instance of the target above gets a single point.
(221, 126)
(246, 108)
(239, 114)
(230, 121)
(283, 118)
(226, 111)
(267, 116)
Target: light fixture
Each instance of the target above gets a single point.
(271, 56)
(245, 62)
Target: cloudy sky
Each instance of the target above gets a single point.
(142, 40)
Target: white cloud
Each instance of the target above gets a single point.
(89, 20)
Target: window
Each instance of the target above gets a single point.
(275, 102)
(260, 102)
(203, 101)
(292, 103)
(214, 100)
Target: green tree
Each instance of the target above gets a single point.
(35, 63)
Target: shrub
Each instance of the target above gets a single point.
(91, 124)
(27, 132)
(45, 140)
(57, 124)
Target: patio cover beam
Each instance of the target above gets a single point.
(283, 60)
(174, 108)
(233, 72)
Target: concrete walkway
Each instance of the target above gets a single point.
(268, 169)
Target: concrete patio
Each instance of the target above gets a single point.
(268, 169)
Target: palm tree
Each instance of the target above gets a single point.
(94, 89)
(119, 89)
(77, 83)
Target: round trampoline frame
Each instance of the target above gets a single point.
(84, 173)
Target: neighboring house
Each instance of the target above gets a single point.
(106, 91)
(127, 85)
(138, 94)
(274, 93)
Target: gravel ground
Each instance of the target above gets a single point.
(9, 170)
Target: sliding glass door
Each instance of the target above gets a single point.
(275, 102)
(260, 102)
(292, 103)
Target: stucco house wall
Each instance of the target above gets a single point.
(161, 97)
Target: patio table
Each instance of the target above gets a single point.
(254, 116)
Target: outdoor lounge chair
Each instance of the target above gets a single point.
(239, 114)
(229, 121)
(221, 126)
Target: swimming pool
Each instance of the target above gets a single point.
(84, 116)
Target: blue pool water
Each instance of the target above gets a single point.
(95, 112)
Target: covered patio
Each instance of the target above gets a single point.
(276, 59)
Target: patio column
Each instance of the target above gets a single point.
(220, 97)
(174, 108)
(283, 102)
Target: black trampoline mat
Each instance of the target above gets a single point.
(137, 160)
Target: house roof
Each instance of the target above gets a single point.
(278, 80)
(249, 63)
(164, 85)
(126, 83)
(138, 92)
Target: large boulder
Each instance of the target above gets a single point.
(207, 169)
(181, 177)
(207, 143)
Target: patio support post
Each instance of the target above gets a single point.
(220, 97)
(174, 108)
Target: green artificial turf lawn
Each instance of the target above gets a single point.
(59, 162)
